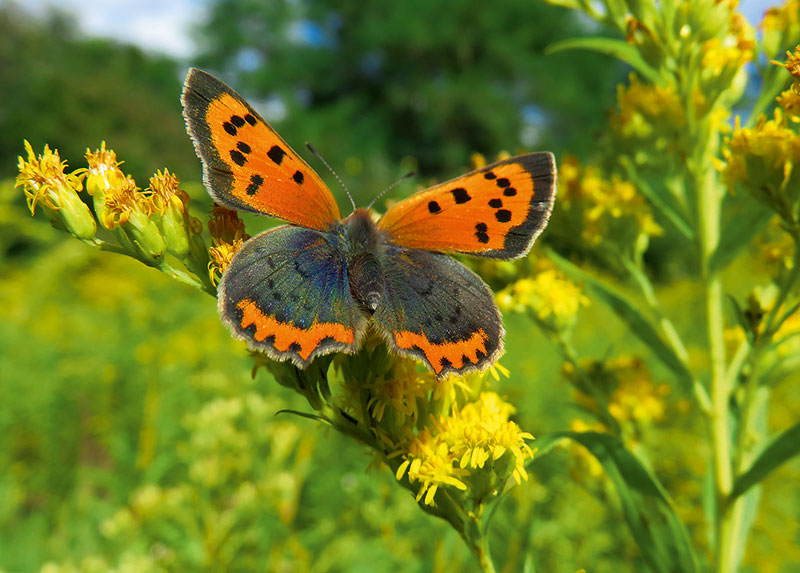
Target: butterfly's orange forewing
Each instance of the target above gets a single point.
(496, 211)
(247, 165)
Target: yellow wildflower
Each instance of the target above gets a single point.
(548, 293)
(792, 65)
(43, 178)
(163, 187)
(636, 397)
(604, 209)
(44, 181)
(120, 202)
(400, 390)
(646, 110)
(104, 173)
(459, 446)
(762, 159)
(789, 101)
(430, 462)
(227, 237)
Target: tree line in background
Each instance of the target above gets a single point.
(372, 83)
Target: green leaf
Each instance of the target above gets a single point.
(611, 47)
(301, 414)
(637, 322)
(647, 509)
(785, 446)
(744, 218)
(658, 201)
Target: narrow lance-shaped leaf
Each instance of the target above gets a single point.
(785, 446)
(635, 319)
(648, 511)
(611, 47)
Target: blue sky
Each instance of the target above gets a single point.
(165, 25)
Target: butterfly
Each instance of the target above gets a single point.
(315, 285)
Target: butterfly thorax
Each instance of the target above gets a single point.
(364, 271)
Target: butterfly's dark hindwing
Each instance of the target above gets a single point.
(286, 293)
(438, 311)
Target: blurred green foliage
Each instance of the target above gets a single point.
(73, 92)
(434, 81)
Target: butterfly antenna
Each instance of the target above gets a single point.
(393, 185)
(316, 153)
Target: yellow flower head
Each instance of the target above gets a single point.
(164, 191)
(604, 209)
(792, 65)
(399, 390)
(227, 236)
(548, 293)
(636, 397)
(44, 180)
(761, 160)
(104, 173)
(645, 111)
(120, 202)
(430, 462)
(476, 441)
(780, 27)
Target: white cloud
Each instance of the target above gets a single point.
(155, 25)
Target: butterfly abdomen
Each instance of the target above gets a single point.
(365, 276)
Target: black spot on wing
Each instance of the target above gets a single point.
(460, 195)
(502, 215)
(276, 154)
(480, 233)
(237, 157)
(256, 181)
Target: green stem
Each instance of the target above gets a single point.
(708, 203)
(478, 543)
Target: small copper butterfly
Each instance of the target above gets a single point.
(313, 287)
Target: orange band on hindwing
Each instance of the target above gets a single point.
(287, 334)
(450, 354)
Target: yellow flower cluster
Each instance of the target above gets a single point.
(147, 224)
(761, 160)
(637, 398)
(605, 210)
(548, 293)
(227, 237)
(475, 442)
(780, 27)
(725, 55)
(647, 111)
(623, 386)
